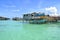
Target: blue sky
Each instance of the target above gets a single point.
(16, 8)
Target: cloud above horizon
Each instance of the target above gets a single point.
(16, 10)
(53, 11)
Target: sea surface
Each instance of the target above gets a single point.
(18, 30)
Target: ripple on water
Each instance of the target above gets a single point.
(13, 30)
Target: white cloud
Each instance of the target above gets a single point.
(17, 10)
(40, 5)
(27, 1)
(8, 5)
(53, 11)
(11, 6)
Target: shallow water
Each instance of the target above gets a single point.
(16, 30)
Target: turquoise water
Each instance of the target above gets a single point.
(16, 30)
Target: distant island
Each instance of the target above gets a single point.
(17, 19)
(14, 18)
(4, 18)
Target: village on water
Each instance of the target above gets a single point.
(35, 18)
